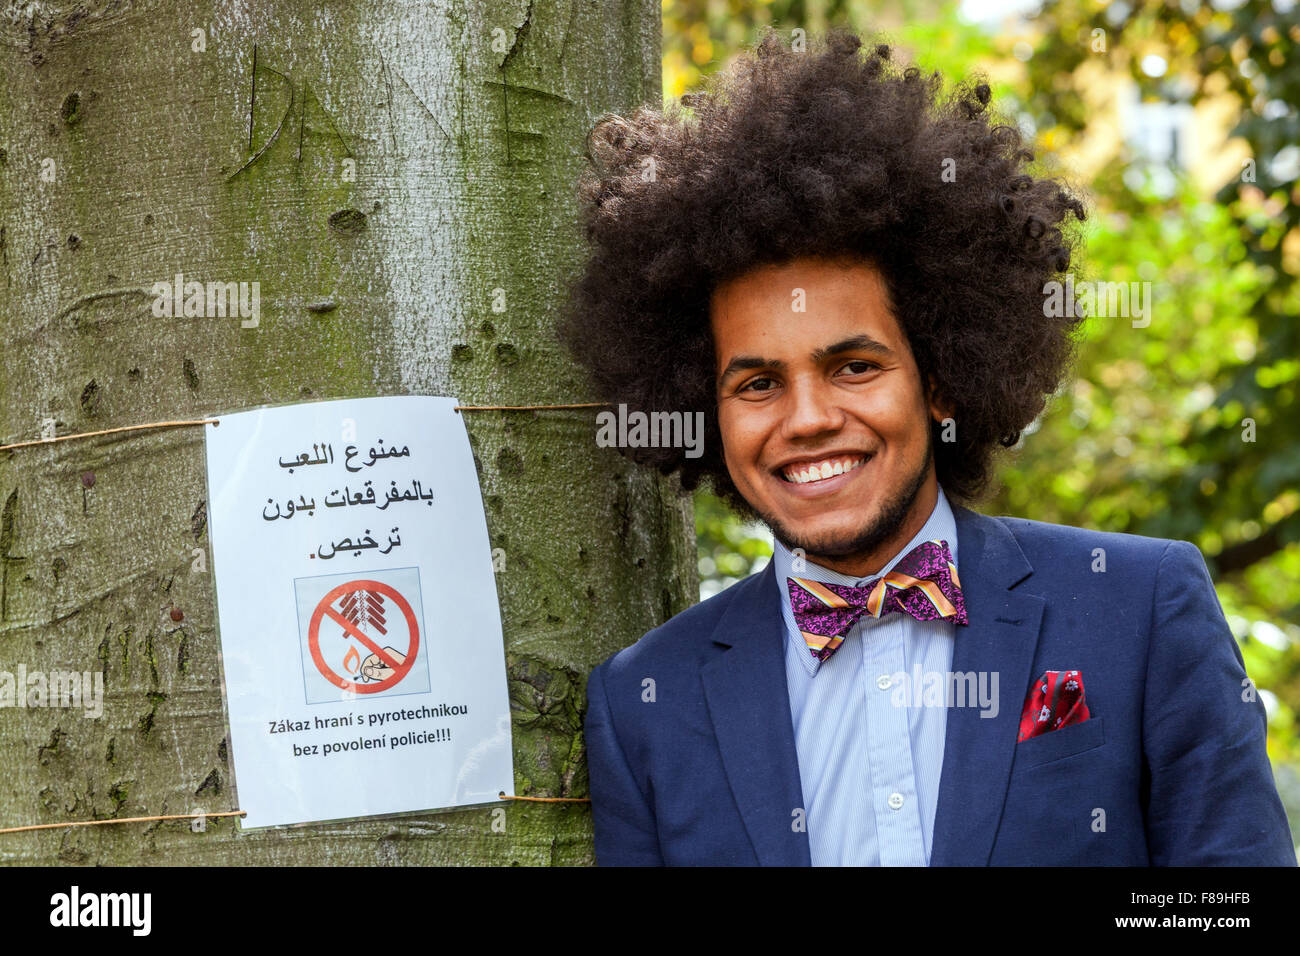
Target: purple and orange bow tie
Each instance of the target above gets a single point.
(923, 584)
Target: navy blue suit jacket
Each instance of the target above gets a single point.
(700, 767)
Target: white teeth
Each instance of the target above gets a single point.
(823, 470)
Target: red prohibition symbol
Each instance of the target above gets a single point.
(326, 608)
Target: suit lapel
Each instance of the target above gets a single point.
(749, 705)
(1000, 639)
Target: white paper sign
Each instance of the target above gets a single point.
(360, 632)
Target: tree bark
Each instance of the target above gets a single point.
(399, 180)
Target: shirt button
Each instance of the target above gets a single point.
(883, 681)
(895, 800)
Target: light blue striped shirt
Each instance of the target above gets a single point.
(869, 753)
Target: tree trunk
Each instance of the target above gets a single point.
(398, 178)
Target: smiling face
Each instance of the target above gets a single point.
(825, 422)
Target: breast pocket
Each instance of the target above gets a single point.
(1069, 741)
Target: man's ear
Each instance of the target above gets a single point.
(940, 408)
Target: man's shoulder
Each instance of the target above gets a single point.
(1043, 540)
(684, 640)
(1067, 561)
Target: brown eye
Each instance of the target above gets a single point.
(757, 385)
(858, 366)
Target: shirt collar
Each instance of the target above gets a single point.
(941, 525)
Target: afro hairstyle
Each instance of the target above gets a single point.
(834, 152)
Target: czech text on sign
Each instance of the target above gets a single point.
(360, 631)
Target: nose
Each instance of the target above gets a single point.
(812, 410)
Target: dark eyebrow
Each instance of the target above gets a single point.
(859, 343)
(743, 363)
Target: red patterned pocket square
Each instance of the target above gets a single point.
(1055, 701)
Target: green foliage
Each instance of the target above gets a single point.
(1155, 436)
(699, 36)
(729, 549)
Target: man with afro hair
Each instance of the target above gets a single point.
(840, 267)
